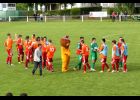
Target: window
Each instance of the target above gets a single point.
(4, 5)
(105, 4)
(137, 4)
(11, 5)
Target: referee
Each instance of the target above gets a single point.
(38, 59)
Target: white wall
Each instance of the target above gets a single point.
(76, 5)
(107, 4)
(7, 8)
(1, 7)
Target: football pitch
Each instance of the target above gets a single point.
(17, 80)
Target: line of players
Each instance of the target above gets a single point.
(119, 55)
(28, 47)
(119, 52)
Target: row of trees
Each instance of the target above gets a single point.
(120, 7)
(24, 6)
(129, 7)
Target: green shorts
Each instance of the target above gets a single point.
(80, 57)
(94, 56)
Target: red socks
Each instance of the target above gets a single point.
(26, 63)
(18, 58)
(125, 67)
(7, 60)
(113, 66)
(103, 66)
(107, 65)
(84, 67)
(88, 66)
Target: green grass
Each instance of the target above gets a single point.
(17, 80)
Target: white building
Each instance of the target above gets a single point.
(137, 4)
(108, 5)
(80, 5)
(7, 6)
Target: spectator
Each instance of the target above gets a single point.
(113, 16)
(117, 15)
(121, 16)
(38, 18)
(23, 94)
(9, 94)
(35, 17)
(41, 17)
(125, 15)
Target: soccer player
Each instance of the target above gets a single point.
(19, 44)
(78, 52)
(33, 38)
(119, 46)
(115, 57)
(85, 55)
(35, 46)
(44, 53)
(93, 50)
(35, 43)
(103, 49)
(124, 54)
(45, 39)
(38, 59)
(50, 53)
(42, 40)
(8, 44)
(28, 51)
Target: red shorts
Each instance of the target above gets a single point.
(124, 59)
(49, 59)
(44, 55)
(29, 54)
(9, 52)
(103, 60)
(20, 51)
(114, 61)
(85, 59)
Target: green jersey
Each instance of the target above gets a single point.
(79, 46)
(93, 48)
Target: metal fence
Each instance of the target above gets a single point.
(81, 18)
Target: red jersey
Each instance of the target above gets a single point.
(85, 50)
(8, 43)
(27, 46)
(44, 47)
(19, 43)
(119, 45)
(50, 51)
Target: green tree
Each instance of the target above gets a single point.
(21, 6)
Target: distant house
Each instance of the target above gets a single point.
(61, 6)
(7, 6)
(78, 5)
(108, 5)
(137, 4)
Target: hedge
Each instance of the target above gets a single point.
(137, 10)
(86, 10)
(74, 11)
